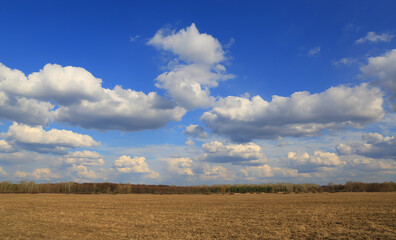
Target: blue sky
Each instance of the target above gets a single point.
(201, 92)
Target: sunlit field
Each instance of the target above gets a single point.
(198, 216)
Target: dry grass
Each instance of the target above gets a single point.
(245, 216)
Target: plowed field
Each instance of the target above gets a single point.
(238, 216)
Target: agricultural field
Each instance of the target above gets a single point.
(198, 216)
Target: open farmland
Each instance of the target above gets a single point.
(216, 216)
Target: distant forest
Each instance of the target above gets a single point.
(114, 188)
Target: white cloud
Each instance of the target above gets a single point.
(189, 142)
(2, 172)
(38, 174)
(83, 172)
(64, 85)
(180, 165)
(189, 45)
(302, 114)
(298, 165)
(217, 173)
(374, 146)
(244, 154)
(313, 51)
(195, 131)
(383, 68)
(86, 158)
(80, 100)
(373, 37)
(39, 140)
(152, 175)
(188, 85)
(26, 99)
(187, 167)
(18, 108)
(126, 164)
(122, 109)
(21, 174)
(5, 146)
(318, 158)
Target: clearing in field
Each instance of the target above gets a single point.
(216, 216)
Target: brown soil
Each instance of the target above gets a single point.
(238, 216)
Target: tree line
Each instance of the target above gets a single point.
(121, 188)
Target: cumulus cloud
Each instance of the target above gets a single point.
(122, 109)
(126, 164)
(24, 110)
(195, 131)
(375, 145)
(188, 83)
(217, 173)
(315, 163)
(73, 95)
(5, 146)
(180, 165)
(189, 142)
(64, 85)
(26, 99)
(244, 154)
(38, 174)
(189, 45)
(187, 167)
(318, 165)
(373, 37)
(38, 140)
(266, 171)
(86, 158)
(152, 175)
(318, 158)
(82, 172)
(301, 114)
(383, 69)
(21, 174)
(2, 172)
